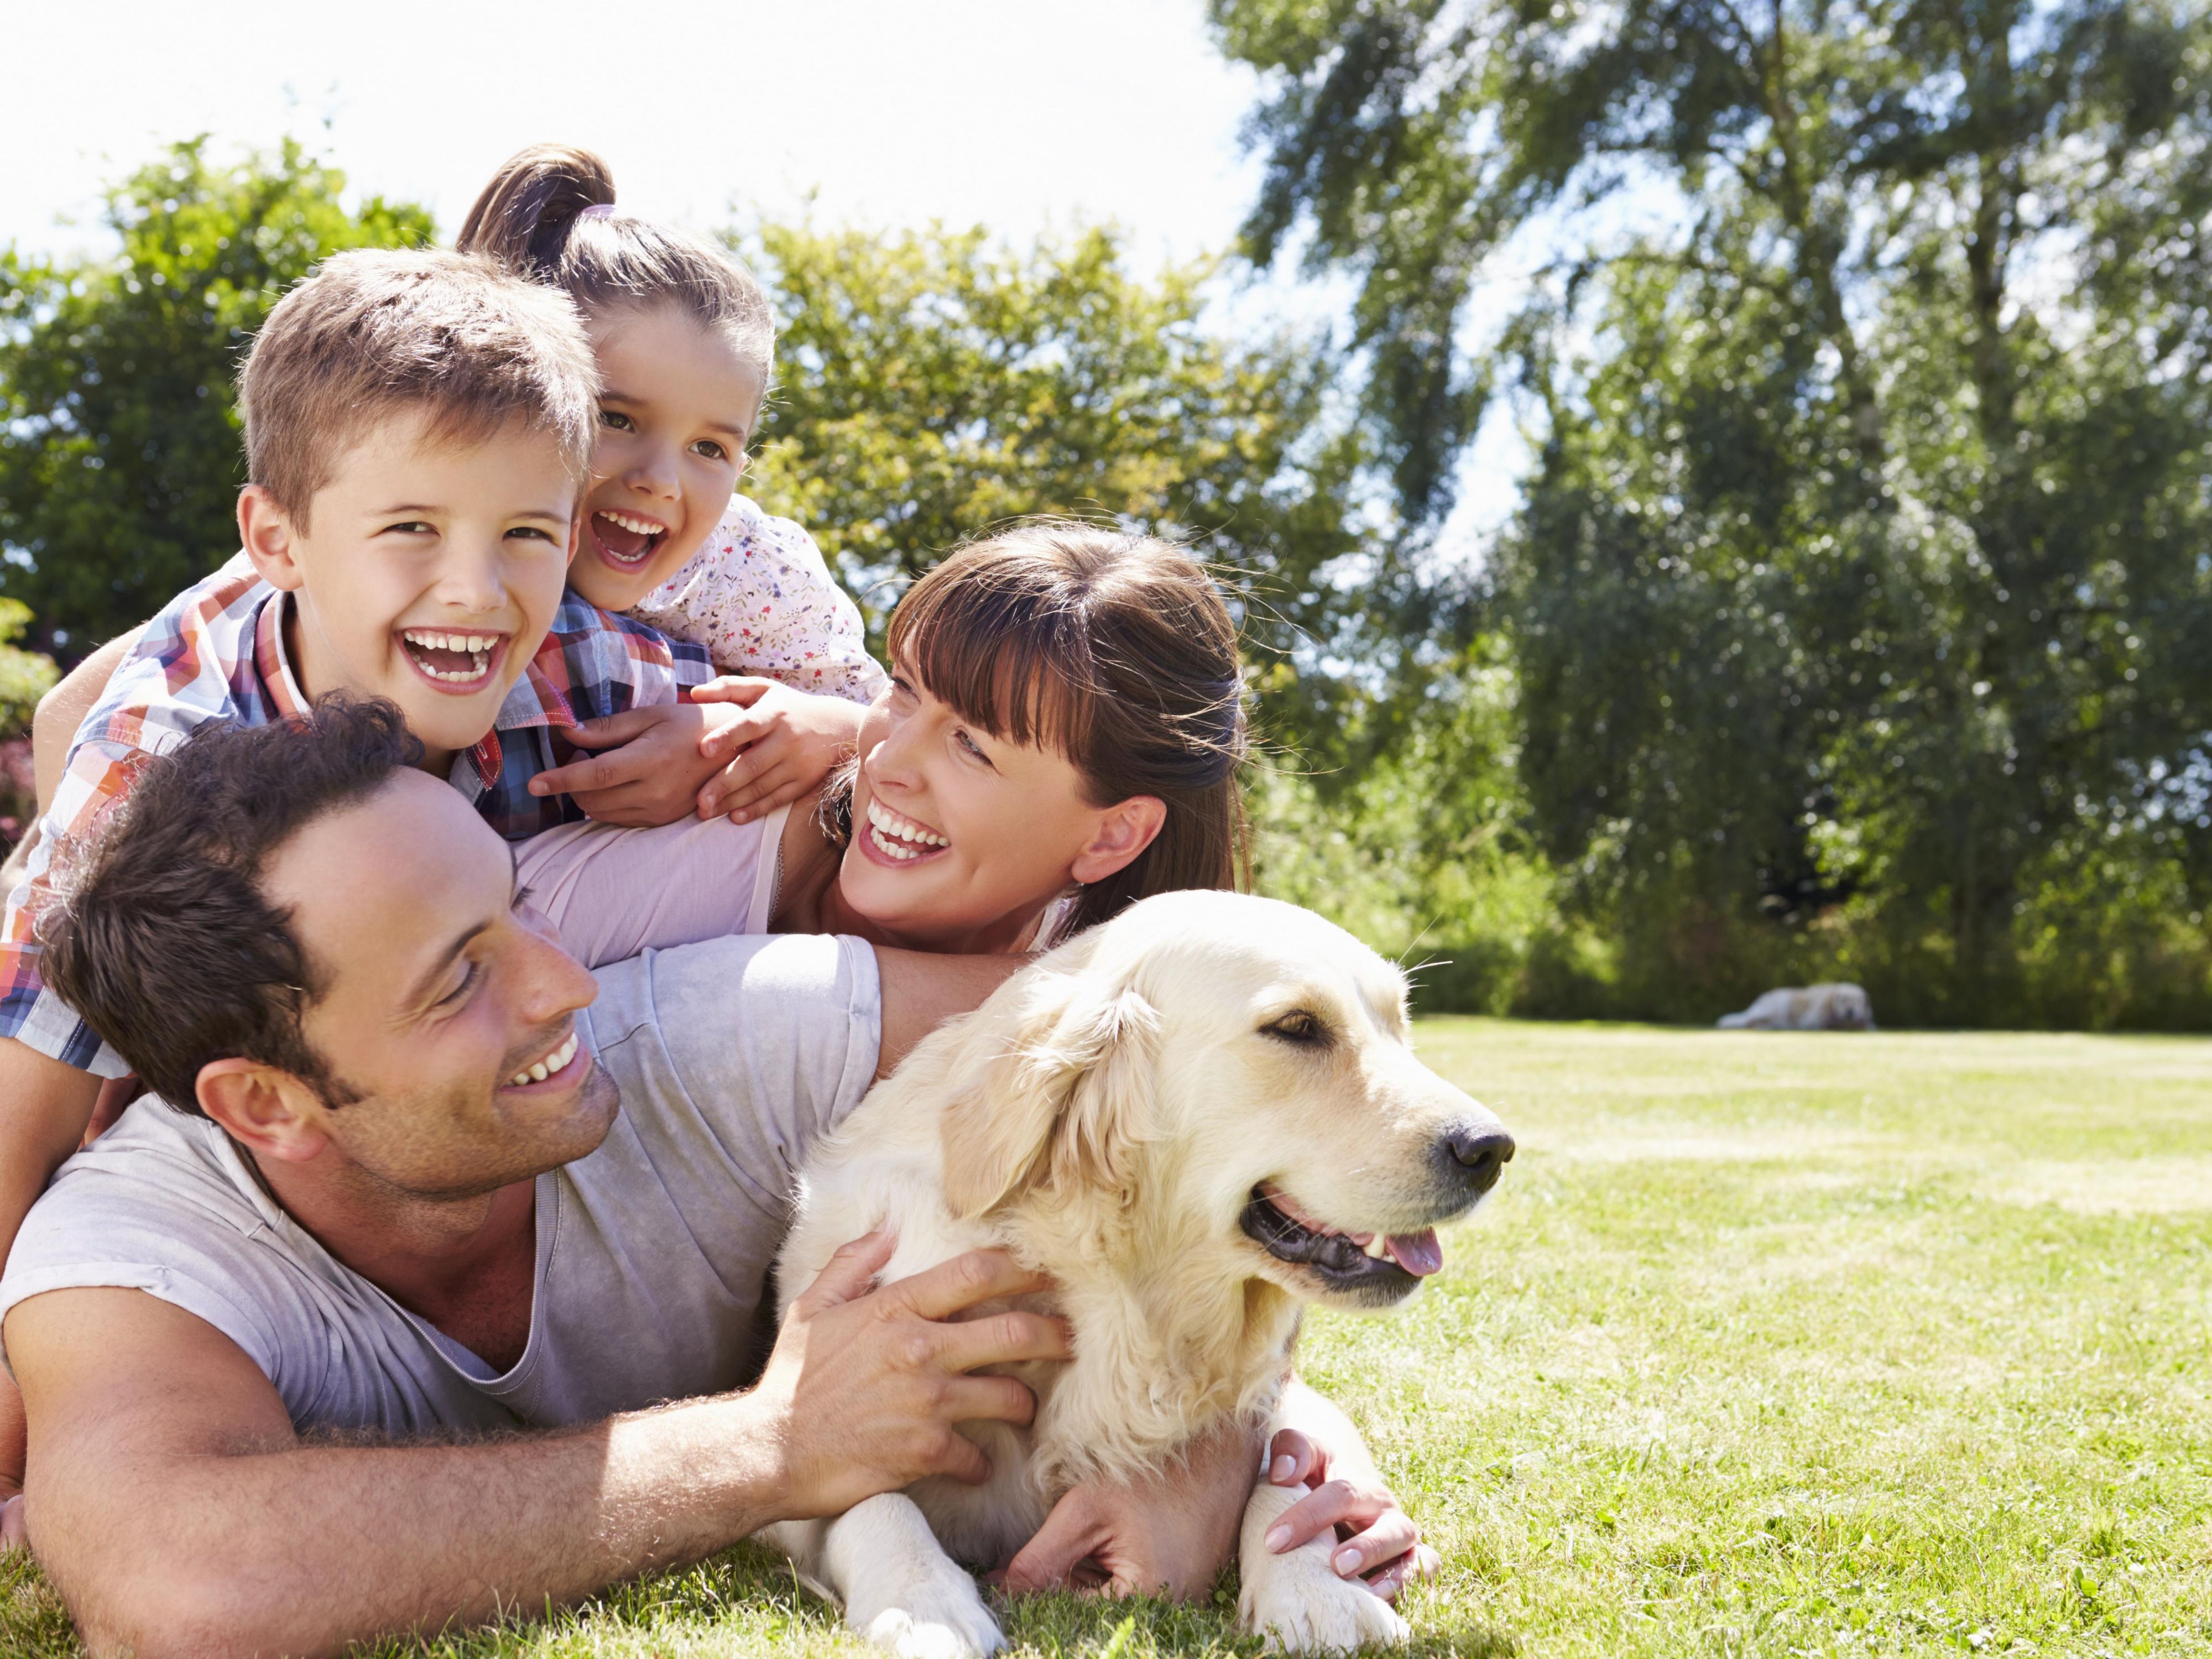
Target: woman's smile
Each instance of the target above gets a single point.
(894, 839)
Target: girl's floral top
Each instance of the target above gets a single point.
(759, 597)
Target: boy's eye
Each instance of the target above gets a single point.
(408, 527)
(615, 418)
(531, 530)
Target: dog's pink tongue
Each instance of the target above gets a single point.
(1418, 1254)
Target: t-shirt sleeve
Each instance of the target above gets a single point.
(613, 892)
(766, 1044)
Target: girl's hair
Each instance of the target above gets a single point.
(1117, 652)
(547, 213)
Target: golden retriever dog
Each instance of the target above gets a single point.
(1197, 1118)
(1833, 1007)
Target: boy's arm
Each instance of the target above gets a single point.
(62, 711)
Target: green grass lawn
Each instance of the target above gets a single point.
(1772, 1345)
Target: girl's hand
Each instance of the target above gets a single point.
(779, 746)
(650, 771)
(1378, 1544)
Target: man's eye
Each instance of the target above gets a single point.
(459, 992)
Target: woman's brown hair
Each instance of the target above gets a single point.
(1114, 650)
(549, 213)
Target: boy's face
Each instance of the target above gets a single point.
(428, 572)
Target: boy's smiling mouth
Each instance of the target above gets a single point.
(893, 838)
(627, 541)
(453, 660)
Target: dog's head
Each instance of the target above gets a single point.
(1226, 1076)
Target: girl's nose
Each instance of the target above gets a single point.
(653, 472)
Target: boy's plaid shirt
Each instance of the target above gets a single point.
(216, 652)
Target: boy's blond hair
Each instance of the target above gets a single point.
(375, 333)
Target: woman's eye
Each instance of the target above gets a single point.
(969, 746)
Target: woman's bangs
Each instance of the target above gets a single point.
(998, 661)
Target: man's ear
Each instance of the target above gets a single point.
(1124, 829)
(271, 1112)
(269, 538)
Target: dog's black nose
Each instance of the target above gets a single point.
(1482, 1151)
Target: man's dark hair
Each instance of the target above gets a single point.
(161, 937)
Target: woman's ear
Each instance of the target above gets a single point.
(1124, 829)
(267, 533)
(272, 1113)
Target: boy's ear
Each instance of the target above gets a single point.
(269, 1112)
(267, 533)
(1124, 829)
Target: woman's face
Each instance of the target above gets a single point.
(960, 838)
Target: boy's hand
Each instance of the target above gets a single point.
(782, 743)
(651, 771)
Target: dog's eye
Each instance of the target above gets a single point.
(1298, 1026)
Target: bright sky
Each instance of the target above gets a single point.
(1015, 113)
(1021, 115)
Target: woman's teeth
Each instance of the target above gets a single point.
(898, 837)
(545, 1067)
(459, 657)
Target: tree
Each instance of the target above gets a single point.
(931, 385)
(1854, 596)
(120, 450)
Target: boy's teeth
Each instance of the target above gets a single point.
(545, 1067)
(478, 649)
(891, 829)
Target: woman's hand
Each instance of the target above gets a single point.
(1378, 1544)
(780, 746)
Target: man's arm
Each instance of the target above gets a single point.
(177, 1511)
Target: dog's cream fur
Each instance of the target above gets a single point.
(1107, 1116)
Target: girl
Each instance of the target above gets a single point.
(684, 338)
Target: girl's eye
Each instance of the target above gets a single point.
(711, 450)
(615, 418)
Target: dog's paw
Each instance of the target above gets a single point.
(1301, 1610)
(945, 1618)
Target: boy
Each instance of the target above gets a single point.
(418, 429)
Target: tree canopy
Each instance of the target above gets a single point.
(1853, 598)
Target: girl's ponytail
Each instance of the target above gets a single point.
(524, 217)
(549, 213)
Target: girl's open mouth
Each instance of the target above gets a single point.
(625, 540)
(452, 660)
(892, 838)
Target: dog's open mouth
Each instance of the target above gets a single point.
(1347, 1260)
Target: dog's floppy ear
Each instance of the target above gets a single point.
(1060, 1101)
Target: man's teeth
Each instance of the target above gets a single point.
(901, 838)
(545, 1067)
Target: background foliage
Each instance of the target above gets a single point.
(1845, 625)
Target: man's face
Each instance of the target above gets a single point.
(447, 1007)
(429, 572)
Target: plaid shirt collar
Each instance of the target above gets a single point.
(535, 699)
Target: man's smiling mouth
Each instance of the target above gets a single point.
(457, 658)
(625, 539)
(898, 838)
(538, 1071)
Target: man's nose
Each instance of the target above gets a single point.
(1477, 1152)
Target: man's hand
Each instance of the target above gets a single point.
(863, 1387)
(1379, 1542)
(650, 768)
(1168, 1535)
(785, 742)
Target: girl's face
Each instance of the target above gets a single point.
(960, 839)
(677, 408)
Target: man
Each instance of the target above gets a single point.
(415, 1181)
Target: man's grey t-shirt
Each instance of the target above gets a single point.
(732, 1057)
